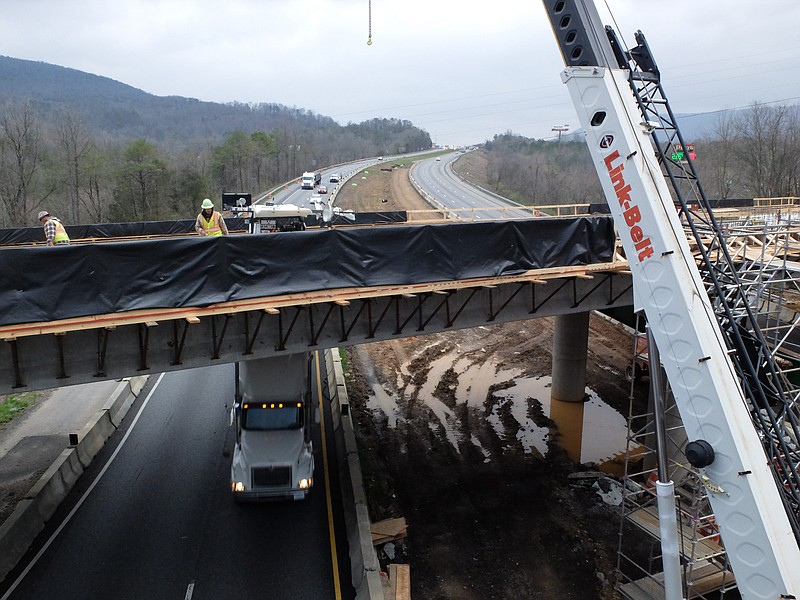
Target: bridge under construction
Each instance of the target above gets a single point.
(97, 311)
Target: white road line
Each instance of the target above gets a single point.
(83, 498)
(189, 592)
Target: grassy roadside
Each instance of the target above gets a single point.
(13, 405)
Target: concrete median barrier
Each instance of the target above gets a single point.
(56, 483)
(93, 437)
(122, 397)
(364, 566)
(16, 534)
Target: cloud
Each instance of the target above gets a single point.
(463, 71)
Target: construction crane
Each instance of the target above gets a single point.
(737, 408)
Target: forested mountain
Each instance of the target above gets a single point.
(118, 111)
(96, 149)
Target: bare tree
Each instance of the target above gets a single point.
(766, 149)
(79, 165)
(19, 161)
(718, 162)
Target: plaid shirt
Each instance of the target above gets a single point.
(50, 230)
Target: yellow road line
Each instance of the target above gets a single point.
(331, 532)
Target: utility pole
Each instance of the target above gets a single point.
(560, 129)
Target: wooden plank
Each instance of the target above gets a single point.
(646, 588)
(388, 530)
(389, 526)
(647, 519)
(400, 578)
(706, 576)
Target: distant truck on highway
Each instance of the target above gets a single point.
(273, 414)
(311, 179)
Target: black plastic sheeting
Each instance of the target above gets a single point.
(371, 218)
(40, 283)
(30, 235)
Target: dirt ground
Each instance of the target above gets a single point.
(488, 516)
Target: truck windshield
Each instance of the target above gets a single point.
(270, 419)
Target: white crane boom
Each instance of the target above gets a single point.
(756, 529)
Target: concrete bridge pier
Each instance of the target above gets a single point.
(568, 392)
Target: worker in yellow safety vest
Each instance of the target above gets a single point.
(209, 221)
(53, 230)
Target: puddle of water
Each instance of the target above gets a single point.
(602, 432)
(382, 401)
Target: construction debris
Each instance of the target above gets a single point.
(389, 530)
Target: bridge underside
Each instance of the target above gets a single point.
(81, 350)
(84, 313)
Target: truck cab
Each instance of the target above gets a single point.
(310, 179)
(273, 457)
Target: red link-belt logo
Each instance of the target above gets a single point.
(630, 211)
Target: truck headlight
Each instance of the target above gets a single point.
(305, 483)
(237, 486)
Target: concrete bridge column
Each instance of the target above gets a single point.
(570, 344)
(568, 392)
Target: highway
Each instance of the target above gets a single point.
(437, 179)
(153, 516)
(294, 194)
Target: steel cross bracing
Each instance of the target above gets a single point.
(734, 293)
(80, 350)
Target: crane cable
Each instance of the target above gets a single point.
(369, 38)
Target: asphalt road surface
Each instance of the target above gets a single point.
(153, 517)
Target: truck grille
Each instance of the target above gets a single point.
(272, 477)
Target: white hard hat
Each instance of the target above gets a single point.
(207, 204)
(43, 214)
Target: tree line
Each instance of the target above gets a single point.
(749, 153)
(61, 164)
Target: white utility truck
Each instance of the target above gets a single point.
(267, 218)
(273, 414)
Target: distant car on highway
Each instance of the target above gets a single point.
(335, 178)
(438, 158)
(322, 190)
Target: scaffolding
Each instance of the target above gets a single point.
(704, 565)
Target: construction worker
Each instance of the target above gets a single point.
(209, 221)
(53, 230)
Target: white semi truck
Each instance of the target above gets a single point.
(273, 414)
(310, 179)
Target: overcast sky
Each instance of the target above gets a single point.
(462, 70)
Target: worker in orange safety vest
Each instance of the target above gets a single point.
(209, 222)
